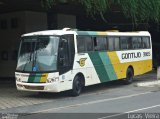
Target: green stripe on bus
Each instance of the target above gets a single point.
(31, 78)
(37, 78)
(34, 78)
(99, 66)
(82, 33)
(87, 33)
(108, 66)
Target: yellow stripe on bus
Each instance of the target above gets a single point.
(102, 33)
(44, 78)
(139, 67)
(116, 64)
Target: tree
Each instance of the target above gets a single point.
(137, 10)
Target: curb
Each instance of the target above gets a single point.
(149, 84)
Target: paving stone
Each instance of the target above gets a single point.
(10, 97)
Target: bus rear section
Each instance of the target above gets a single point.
(112, 56)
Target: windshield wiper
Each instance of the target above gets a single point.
(34, 67)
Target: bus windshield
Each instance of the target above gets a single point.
(38, 54)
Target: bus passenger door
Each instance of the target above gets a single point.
(65, 60)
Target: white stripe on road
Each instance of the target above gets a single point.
(115, 115)
(143, 109)
(93, 102)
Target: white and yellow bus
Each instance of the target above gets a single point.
(60, 60)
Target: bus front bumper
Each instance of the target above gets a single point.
(38, 87)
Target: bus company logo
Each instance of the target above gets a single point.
(81, 62)
(131, 55)
(135, 55)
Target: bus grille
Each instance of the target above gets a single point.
(34, 87)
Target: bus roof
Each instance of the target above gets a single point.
(49, 32)
(109, 33)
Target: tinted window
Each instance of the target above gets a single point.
(100, 43)
(89, 43)
(84, 43)
(136, 42)
(110, 43)
(117, 45)
(124, 43)
(81, 43)
(145, 42)
(70, 39)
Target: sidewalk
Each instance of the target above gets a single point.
(155, 83)
(11, 97)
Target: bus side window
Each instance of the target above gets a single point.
(117, 43)
(146, 42)
(95, 44)
(110, 43)
(134, 43)
(84, 43)
(139, 42)
(101, 43)
(130, 46)
(124, 43)
(88, 43)
(81, 44)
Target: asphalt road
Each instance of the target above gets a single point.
(104, 101)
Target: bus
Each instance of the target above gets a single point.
(68, 59)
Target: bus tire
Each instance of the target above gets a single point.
(129, 76)
(77, 86)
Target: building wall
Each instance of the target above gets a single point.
(35, 21)
(12, 26)
(66, 21)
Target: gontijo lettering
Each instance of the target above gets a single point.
(131, 55)
(135, 55)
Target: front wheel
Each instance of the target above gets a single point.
(129, 76)
(77, 86)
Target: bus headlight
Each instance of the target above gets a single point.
(51, 80)
(18, 79)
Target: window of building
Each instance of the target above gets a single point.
(3, 24)
(14, 23)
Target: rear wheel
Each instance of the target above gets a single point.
(77, 86)
(129, 76)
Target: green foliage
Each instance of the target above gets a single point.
(95, 6)
(137, 10)
(48, 3)
(141, 10)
